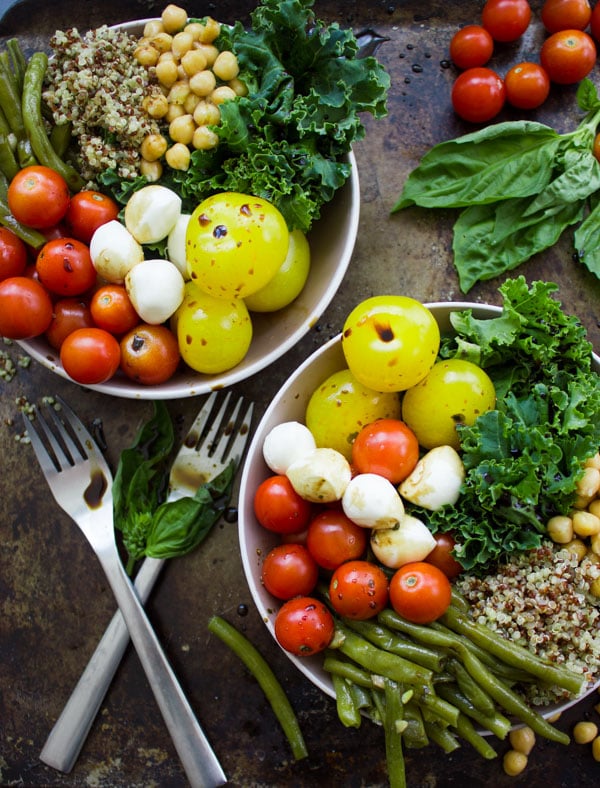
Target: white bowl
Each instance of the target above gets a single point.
(289, 404)
(331, 239)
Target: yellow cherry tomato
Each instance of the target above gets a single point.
(390, 342)
(288, 282)
(454, 392)
(235, 244)
(341, 406)
(214, 334)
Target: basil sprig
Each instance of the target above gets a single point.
(149, 524)
(518, 185)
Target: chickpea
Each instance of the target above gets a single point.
(522, 739)
(195, 28)
(182, 129)
(209, 51)
(191, 102)
(596, 749)
(212, 29)
(156, 105)
(226, 66)
(595, 545)
(153, 147)
(179, 92)
(560, 529)
(238, 87)
(151, 169)
(206, 114)
(594, 507)
(166, 72)
(203, 83)
(146, 55)
(585, 732)
(193, 62)
(589, 484)
(178, 156)
(182, 43)
(221, 94)
(174, 18)
(578, 547)
(175, 111)
(595, 588)
(153, 27)
(593, 462)
(514, 762)
(585, 523)
(162, 42)
(204, 138)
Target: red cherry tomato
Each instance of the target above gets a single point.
(595, 22)
(527, 85)
(441, 555)
(420, 592)
(38, 196)
(566, 15)
(386, 447)
(289, 570)
(68, 314)
(150, 354)
(358, 590)
(90, 355)
(596, 147)
(568, 56)
(332, 538)
(13, 254)
(279, 508)
(65, 267)
(471, 46)
(112, 309)
(25, 308)
(87, 211)
(478, 95)
(506, 20)
(304, 626)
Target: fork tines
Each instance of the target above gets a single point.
(219, 427)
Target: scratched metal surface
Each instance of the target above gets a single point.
(54, 600)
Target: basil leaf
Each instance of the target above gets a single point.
(179, 526)
(505, 160)
(587, 241)
(141, 480)
(587, 96)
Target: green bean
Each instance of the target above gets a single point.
(31, 237)
(393, 728)
(513, 654)
(261, 671)
(509, 700)
(390, 641)
(414, 736)
(378, 661)
(34, 125)
(440, 708)
(496, 723)
(350, 671)
(60, 137)
(348, 712)
(361, 696)
(8, 162)
(443, 737)
(468, 733)
(471, 689)
(10, 98)
(18, 61)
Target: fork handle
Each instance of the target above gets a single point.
(200, 762)
(71, 729)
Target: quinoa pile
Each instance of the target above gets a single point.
(542, 601)
(94, 82)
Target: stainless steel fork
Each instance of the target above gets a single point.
(81, 483)
(217, 436)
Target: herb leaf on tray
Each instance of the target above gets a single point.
(524, 458)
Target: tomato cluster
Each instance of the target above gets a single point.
(320, 542)
(55, 290)
(567, 55)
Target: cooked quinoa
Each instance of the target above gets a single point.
(94, 82)
(542, 601)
